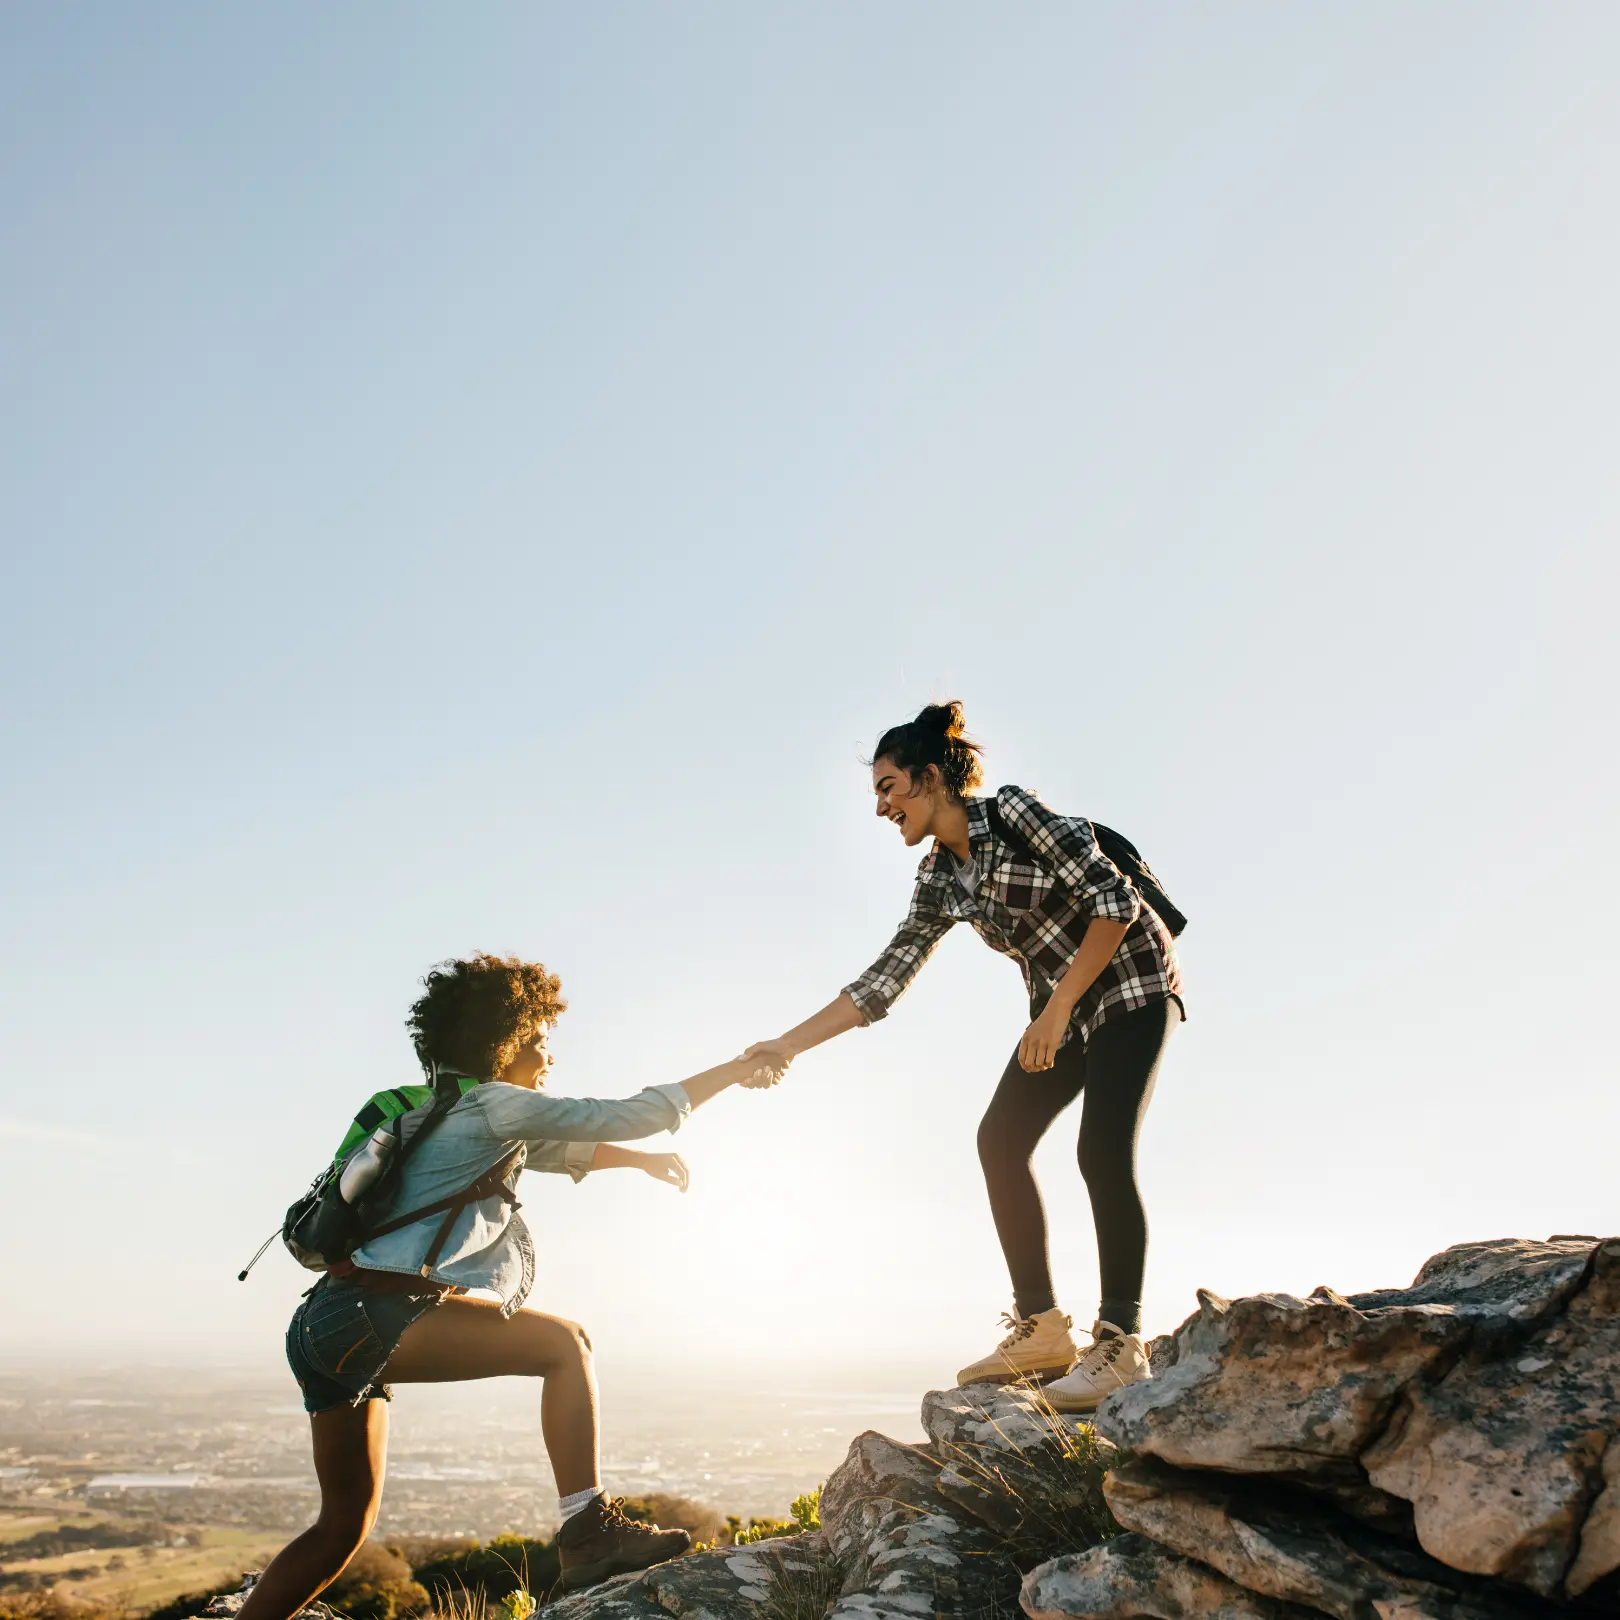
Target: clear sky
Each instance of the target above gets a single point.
(481, 479)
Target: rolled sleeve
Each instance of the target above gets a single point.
(916, 939)
(1068, 847)
(678, 1100)
(561, 1158)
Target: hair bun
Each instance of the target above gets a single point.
(937, 737)
(942, 720)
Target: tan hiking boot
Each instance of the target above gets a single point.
(1039, 1347)
(1114, 1360)
(600, 1541)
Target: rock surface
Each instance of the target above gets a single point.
(1287, 1546)
(229, 1605)
(1276, 1384)
(1501, 1459)
(1132, 1576)
(908, 1531)
(704, 1586)
(1451, 1449)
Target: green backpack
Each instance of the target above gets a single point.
(322, 1227)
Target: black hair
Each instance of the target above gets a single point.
(479, 1013)
(936, 737)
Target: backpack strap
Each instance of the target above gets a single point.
(491, 1184)
(1117, 848)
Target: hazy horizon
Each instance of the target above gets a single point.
(484, 481)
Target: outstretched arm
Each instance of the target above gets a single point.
(669, 1168)
(836, 1018)
(517, 1115)
(877, 989)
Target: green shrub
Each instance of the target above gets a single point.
(376, 1584)
(805, 1514)
(798, 1596)
(509, 1563)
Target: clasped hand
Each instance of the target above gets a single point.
(770, 1060)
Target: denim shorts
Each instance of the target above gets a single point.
(340, 1339)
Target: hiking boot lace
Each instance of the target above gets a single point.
(1022, 1327)
(614, 1516)
(1104, 1352)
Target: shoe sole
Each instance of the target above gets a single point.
(1070, 1404)
(1010, 1375)
(576, 1580)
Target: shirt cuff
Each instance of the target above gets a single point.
(1114, 907)
(577, 1159)
(870, 1006)
(675, 1096)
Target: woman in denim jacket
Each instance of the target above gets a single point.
(387, 1316)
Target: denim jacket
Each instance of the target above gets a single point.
(489, 1246)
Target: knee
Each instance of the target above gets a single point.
(567, 1345)
(1104, 1170)
(341, 1531)
(1001, 1153)
(992, 1144)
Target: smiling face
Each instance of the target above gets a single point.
(909, 803)
(530, 1067)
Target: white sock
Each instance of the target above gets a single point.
(577, 1502)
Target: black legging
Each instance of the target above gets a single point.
(1116, 1070)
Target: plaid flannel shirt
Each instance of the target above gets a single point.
(1035, 913)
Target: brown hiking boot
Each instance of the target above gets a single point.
(600, 1541)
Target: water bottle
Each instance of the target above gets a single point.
(368, 1161)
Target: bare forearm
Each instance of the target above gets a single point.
(1097, 949)
(701, 1087)
(836, 1018)
(610, 1156)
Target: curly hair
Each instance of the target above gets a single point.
(479, 1013)
(938, 737)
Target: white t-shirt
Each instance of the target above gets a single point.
(967, 873)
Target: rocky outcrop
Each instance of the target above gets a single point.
(943, 1528)
(730, 1581)
(1449, 1450)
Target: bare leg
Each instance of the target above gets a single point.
(468, 1338)
(351, 1450)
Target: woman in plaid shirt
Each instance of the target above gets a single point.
(1104, 990)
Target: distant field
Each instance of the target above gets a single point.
(133, 1577)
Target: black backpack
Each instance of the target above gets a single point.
(1119, 849)
(322, 1229)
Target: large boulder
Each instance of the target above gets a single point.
(1132, 1577)
(1510, 1460)
(1274, 1384)
(903, 1547)
(1284, 1544)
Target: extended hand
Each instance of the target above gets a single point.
(669, 1168)
(1039, 1047)
(770, 1061)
